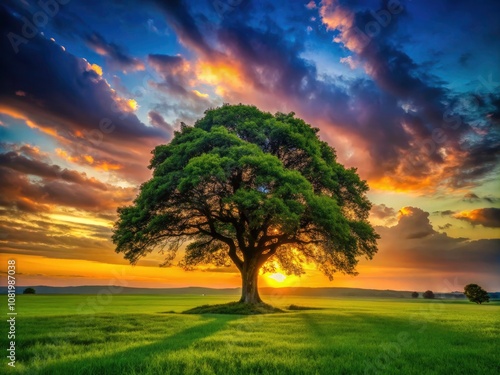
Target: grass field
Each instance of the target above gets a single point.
(124, 334)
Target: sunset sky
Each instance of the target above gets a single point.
(408, 92)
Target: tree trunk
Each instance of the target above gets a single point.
(249, 277)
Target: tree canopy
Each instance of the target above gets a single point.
(29, 291)
(250, 188)
(476, 294)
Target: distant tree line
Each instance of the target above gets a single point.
(473, 292)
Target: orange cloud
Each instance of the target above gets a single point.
(223, 75)
(96, 68)
(401, 184)
(336, 17)
(11, 112)
(108, 166)
(89, 160)
(64, 155)
(487, 217)
(201, 95)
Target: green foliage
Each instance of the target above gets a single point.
(414, 295)
(428, 294)
(476, 294)
(251, 188)
(29, 291)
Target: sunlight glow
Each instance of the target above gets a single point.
(96, 68)
(279, 277)
(132, 104)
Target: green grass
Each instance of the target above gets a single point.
(126, 334)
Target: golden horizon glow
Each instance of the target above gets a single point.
(38, 270)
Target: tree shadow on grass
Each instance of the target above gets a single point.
(136, 359)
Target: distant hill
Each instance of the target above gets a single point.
(295, 291)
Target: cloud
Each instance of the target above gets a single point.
(175, 71)
(347, 116)
(184, 25)
(389, 122)
(31, 183)
(382, 211)
(471, 197)
(115, 54)
(180, 84)
(414, 223)
(157, 120)
(55, 212)
(445, 212)
(67, 100)
(36, 167)
(55, 240)
(446, 226)
(311, 5)
(21, 192)
(414, 248)
(433, 148)
(385, 123)
(487, 217)
(349, 61)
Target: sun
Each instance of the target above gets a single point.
(279, 277)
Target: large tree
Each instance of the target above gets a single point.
(250, 188)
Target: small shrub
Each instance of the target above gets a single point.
(237, 308)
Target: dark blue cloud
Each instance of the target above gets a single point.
(59, 89)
